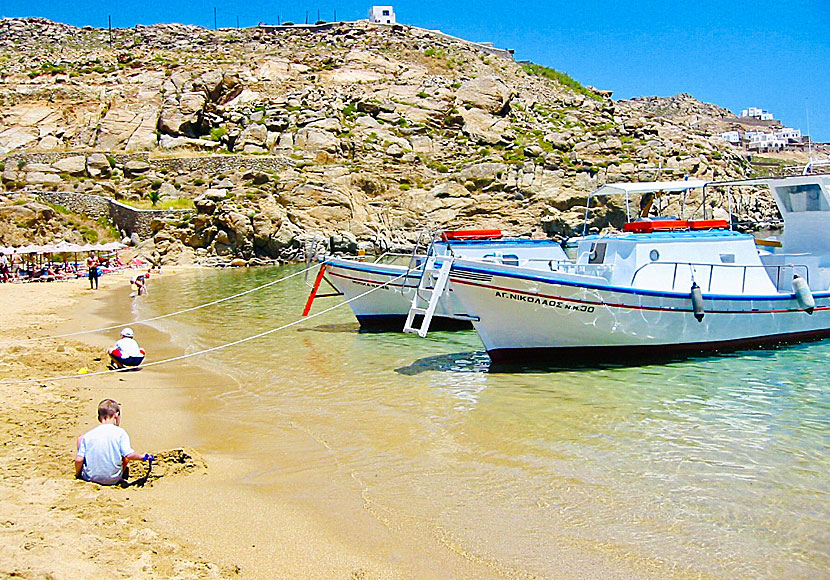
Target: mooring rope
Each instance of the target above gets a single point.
(212, 349)
(168, 315)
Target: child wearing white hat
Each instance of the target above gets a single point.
(126, 352)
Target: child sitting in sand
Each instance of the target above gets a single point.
(126, 352)
(102, 453)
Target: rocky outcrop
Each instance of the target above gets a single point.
(274, 136)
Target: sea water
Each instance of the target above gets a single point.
(714, 467)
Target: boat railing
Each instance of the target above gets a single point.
(396, 257)
(698, 272)
(568, 266)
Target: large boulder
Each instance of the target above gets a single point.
(255, 134)
(314, 139)
(136, 167)
(97, 165)
(483, 174)
(486, 93)
(124, 128)
(182, 116)
(484, 127)
(75, 165)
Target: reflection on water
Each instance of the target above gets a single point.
(710, 467)
(459, 362)
(342, 327)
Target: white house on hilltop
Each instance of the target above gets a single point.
(382, 15)
(756, 113)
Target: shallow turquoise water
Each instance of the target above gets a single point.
(712, 467)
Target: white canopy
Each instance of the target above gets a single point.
(63, 247)
(650, 187)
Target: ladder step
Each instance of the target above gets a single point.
(434, 292)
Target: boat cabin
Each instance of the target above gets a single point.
(670, 254)
(719, 260)
(490, 246)
(804, 204)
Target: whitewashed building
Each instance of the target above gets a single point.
(733, 137)
(789, 135)
(756, 113)
(762, 141)
(382, 15)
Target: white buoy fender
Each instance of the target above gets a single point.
(803, 295)
(697, 301)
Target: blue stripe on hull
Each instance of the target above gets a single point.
(641, 354)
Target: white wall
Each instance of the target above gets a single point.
(382, 14)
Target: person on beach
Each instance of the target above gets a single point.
(102, 453)
(126, 352)
(92, 264)
(140, 284)
(4, 267)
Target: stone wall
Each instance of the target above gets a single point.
(53, 156)
(124, 217)
(215, 164)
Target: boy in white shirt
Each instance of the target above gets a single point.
(126, 352)
(103, 452)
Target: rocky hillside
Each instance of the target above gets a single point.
(351, 131)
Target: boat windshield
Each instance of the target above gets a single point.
(804, 197)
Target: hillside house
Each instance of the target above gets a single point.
(756, 113)
(733, 137)
(763, 141)
(789, 135)
(382, 15)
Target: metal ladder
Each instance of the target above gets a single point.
(429, 293)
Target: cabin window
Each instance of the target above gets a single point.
(597, 255)
(727, 258)
(800, 198)
(654, 255)
(510, 259)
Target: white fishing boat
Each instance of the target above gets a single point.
(662, 286)
(393, 293)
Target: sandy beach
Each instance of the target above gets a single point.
(51, 525)
(195, 517)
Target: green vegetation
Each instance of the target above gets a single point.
(216, 133)
(560, 77)
(422, 95)
(89, 234)
(177, 203)
(58, 208)
(48, 68)
(349, 110)
(111, 161)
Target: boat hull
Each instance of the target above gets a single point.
(387, 306)
(528, 317)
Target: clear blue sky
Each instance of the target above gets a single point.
(769, 54)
